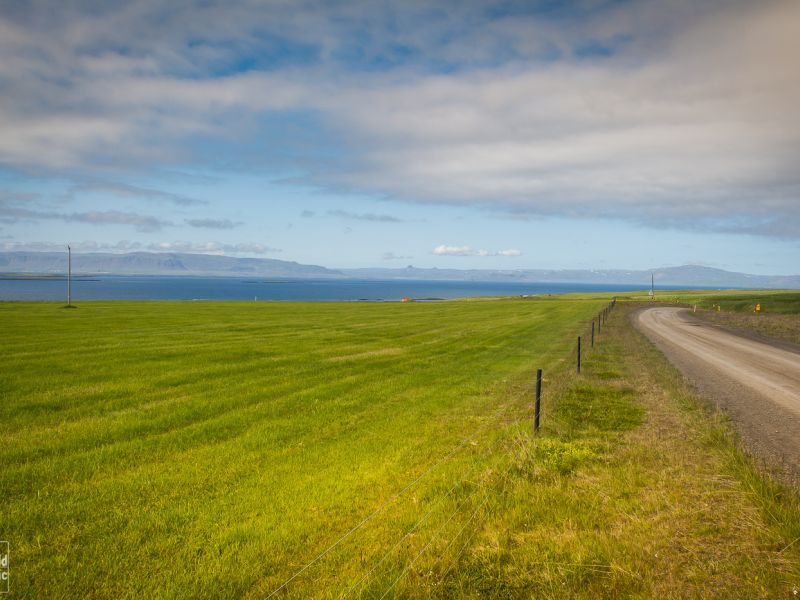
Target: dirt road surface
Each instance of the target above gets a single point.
(756, 382)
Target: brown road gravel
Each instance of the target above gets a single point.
(754, 381)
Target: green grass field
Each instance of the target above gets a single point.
(196, 449)
(328, 450)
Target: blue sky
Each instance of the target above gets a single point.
(500, 135)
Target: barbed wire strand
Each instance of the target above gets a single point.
(400, 541)
(439, 501)
(391, 500)
(454, 562)
(430, 541)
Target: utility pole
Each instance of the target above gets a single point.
(69, 276)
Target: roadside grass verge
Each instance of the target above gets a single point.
(777, 303)
(785, 327)
(635, 489)
(778, 318)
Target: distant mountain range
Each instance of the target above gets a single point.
(157, 263)
(690, 275)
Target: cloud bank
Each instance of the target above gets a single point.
(129, 246)
(678, 114)
(212, 248)
(122, 190)
(142, 223)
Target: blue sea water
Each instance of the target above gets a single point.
(238, 288)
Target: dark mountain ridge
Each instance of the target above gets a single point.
(157, 263)
(175, 263)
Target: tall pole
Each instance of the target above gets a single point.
(69, 276)
(652, 287)
(537, 406)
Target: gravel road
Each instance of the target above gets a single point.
(755, 381)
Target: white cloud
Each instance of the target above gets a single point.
(453, 251)
(142, 223)
(393, 256)
(123, 190)
(129, 246)
(212, 247)
(444, 250)
(375, 218)
(84, 246)
(213, 223)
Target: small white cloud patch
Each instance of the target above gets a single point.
(212, 248)
(393, 256)
(444, 250)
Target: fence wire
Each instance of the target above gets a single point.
(496, 417)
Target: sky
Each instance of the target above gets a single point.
(454, 134)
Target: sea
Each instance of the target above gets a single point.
(258, 289)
